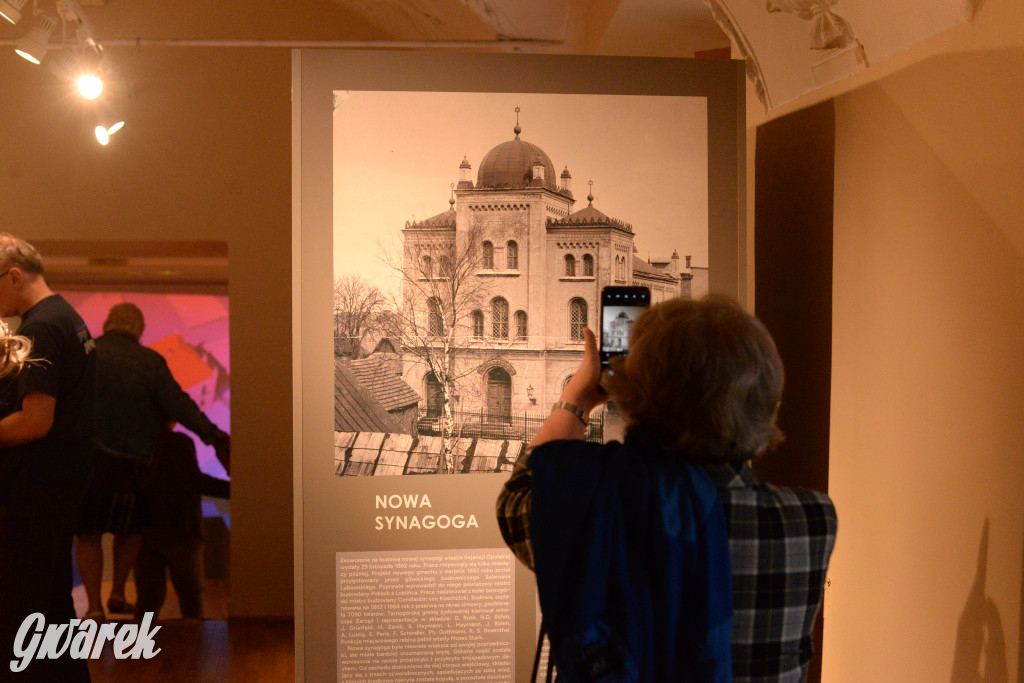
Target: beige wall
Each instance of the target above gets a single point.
(217, 169)
(927, 428)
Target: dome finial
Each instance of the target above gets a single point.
(451, 200)
(590, 197)
(517, 130)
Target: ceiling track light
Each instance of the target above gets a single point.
(71, 13)
(103, 134)
(33, 45)
(80, 62)
(11, 10)
(89, 86)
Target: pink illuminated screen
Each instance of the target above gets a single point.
(191, 332)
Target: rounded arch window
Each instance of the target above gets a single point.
(478, 323)
(488, 255)
(435, 323)
(521, 325)
(577, 318)
(570, 265)
(588, 265)
(512, 255)
(499, 318)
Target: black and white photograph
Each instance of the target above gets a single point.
(473, 234)
(616, 326)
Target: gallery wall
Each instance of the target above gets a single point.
(927, 428)
(236, 189)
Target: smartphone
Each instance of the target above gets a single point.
(620, 307)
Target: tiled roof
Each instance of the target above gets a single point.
(375, 375)
(355, 409)
(588, 216)
(445, 219)
(376, 454)
(647, 270)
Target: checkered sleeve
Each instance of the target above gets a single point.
(780, 540)
(513, 509)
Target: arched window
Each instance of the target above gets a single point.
(588, 265)
(499, 394)
(427, 266)
(577, 318)
(488, 255)
(512, 255)
(499, 318)
(521, 325)
(435, 324)
(566, 382)
(570, 265)
(435, 395)
(445, 269)
(478, 323)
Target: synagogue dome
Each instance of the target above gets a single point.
(510, 165)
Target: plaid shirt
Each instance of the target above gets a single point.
(780, 540)
(513, 510)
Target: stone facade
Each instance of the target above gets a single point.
(530, 269)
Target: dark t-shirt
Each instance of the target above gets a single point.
(63, 366)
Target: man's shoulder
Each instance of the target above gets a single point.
(52, 308)
(116, 343)
(54, 314)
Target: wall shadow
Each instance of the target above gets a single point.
(980, 654)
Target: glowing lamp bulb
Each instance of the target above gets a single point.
(90, 87)
(103, 134)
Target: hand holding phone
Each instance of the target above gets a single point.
(620, 307)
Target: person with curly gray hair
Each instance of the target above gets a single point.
(699, 390)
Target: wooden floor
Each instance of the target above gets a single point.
(208, 650)
(214, 649)
(215, 600)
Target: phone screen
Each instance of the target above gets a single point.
(620, 307)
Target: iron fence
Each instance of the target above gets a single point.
(520, 426)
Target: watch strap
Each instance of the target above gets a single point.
(572, 408)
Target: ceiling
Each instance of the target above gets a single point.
(161, 52)
(637, 27)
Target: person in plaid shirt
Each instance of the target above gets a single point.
(719, 410)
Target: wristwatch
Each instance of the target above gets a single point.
(572, 408)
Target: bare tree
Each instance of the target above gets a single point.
(440, 293)
(358, 306)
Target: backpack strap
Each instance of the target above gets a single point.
(536, 657)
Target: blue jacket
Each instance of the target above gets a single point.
(632, 562)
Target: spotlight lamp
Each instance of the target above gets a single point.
(90, 86)
(103, 134)
(33, 45)
(11, 10)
